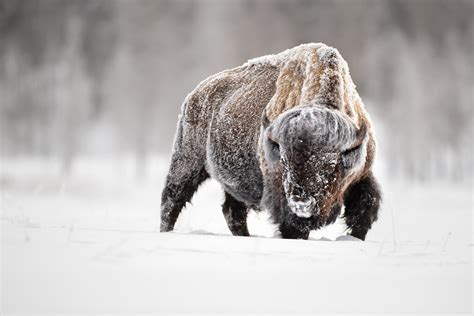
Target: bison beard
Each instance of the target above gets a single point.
(287, 133)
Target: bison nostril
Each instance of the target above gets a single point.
(298, 192)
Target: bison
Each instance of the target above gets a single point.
(287, 133)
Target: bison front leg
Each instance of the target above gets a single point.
(235, 213)
(289, 231)
(294, 227)
(362, 202)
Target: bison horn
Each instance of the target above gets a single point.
(265, 120)
(360, 133)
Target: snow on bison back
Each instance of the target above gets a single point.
(285, 132)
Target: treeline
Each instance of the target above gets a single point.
(82, 77)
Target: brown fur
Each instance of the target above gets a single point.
(300, 82)
(220, 132)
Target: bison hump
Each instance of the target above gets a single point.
(310, 74)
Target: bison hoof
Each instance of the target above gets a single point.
(165, 228)
(359, 233)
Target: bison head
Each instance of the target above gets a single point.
(310, 155)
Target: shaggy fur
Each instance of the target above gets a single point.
(285, 132)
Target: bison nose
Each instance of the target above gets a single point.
(302, 208)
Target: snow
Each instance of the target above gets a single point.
(88, 243)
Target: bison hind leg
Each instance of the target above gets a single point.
(175, 196)
(235, 213)
(362, 202)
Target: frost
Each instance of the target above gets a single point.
(297, 52)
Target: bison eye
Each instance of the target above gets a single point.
(351, 150)
(350, 157)
(274, 151)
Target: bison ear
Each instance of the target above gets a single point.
(265, 120)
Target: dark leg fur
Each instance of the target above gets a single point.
(235, 214)
(335, 212)
(294, 227)
(175, 196)
(289, 231)
(362, 201)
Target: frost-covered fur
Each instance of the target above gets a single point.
(285, 132)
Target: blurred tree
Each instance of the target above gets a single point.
(94, 76)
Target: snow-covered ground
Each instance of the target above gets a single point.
(88, 244)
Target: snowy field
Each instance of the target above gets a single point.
(88, 244)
